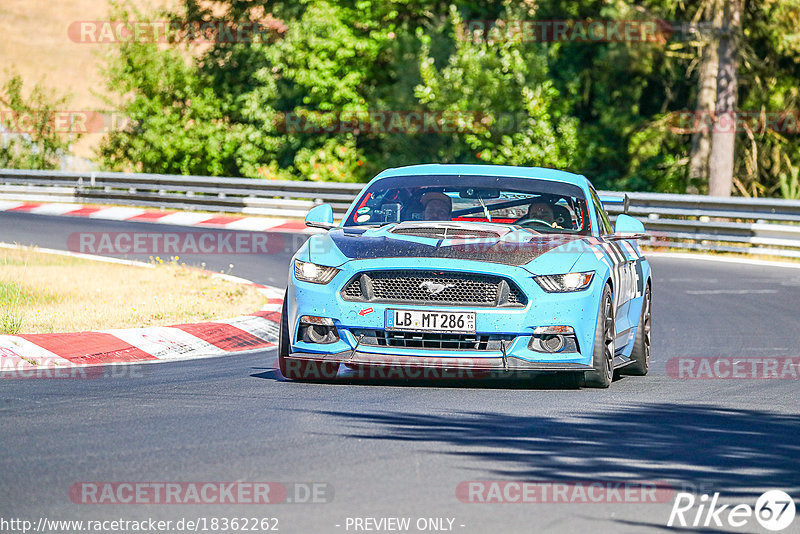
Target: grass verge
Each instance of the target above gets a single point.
(44, 293)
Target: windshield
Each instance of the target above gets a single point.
(542, 205)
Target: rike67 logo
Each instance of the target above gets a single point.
(774, 510)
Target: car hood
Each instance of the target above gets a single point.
(494, 243)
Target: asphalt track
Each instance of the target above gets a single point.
(399, 449)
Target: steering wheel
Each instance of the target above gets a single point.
(523, 222)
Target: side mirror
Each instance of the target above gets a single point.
(320, 217)
(627, 225)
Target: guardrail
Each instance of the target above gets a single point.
(745, 225)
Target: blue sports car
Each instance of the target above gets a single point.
(456, 271)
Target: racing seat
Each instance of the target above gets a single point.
(562, 217)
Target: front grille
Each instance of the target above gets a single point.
(353, 291)
(432, 341)
(439, 287)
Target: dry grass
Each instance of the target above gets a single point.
(36, 45)
(42, 293)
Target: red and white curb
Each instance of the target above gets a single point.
(26, 353)
(179, 218)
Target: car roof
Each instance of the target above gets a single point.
(487, 170)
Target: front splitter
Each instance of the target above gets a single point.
(510, 363)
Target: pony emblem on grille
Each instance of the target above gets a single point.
(433, 288)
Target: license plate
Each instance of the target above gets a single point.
(431, 321)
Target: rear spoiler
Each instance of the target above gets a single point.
(624, 202)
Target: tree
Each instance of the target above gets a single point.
(768, 155)
(275, 108)
(36, 136)
(723, 139)
(710, 13)
(514, 112)
(176, 120)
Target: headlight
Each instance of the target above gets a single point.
(311, 272)
(564, 283)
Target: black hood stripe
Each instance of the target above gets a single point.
(355, 246)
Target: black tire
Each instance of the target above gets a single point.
(603, 355)
(295, 369)
(283, 335)
(641, 345)
(570, 379)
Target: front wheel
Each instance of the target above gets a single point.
(603, 355)
(293, 368)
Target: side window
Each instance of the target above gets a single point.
(605, 224)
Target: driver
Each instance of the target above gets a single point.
(541, 211)
(438, 207)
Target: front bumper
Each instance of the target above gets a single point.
(462, 363)
(578, 310)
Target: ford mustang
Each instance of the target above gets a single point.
(469, 270)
